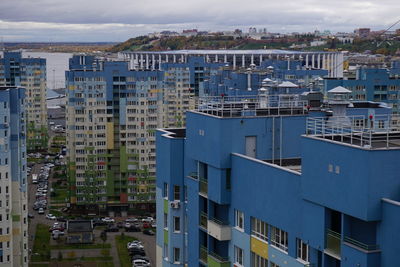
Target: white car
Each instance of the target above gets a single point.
(108, 220)
(148, 220)
(41, 211)
(140, 263)
(134, 244)
(51, 217)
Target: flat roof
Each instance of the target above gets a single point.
(233, 52)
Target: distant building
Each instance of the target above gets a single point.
(149, 60)
(377, 85)
(13, 178)
(29, 73)
(363, 32)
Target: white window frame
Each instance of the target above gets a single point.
(258, 261)
(279, 239)
(238, 256)
(303, 248)
(239, 220)
(259, 229)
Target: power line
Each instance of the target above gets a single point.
(388, 29)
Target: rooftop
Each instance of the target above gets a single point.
(78, 226)
(375, 132)
(251, 106)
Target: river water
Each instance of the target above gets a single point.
(57, 64)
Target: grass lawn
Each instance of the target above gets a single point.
(81, 246)
(41, 245)
(123, 254)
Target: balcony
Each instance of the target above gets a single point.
(361, 245)
(203, 220)
(194, 175)
(333, 241)
(203, 186)
(216, 260)
(203, 255)
(218, 229)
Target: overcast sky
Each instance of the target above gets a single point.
(118, 20)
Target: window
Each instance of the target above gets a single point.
(259, 228)
(165, 220)
(239, 219)
(381, 124)
(165, 252)
(177, 255)
(238, 255)
(177, 224)
(279, 238)
(177, 191)
(165, 192)
(258, 261)
(302, 250)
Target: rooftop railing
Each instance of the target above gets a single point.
(381, 131)
(257, 105)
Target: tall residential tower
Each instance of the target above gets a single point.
(29, 73)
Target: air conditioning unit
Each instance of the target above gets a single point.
(175, 204)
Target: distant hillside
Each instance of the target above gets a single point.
(145, 43)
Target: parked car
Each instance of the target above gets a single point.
(108, 220)
(136, 251)
(41, 211)
(131, 220)
(148, 219)
(135, 244)
(30, 215)
(112, 228)
(51, 217)
(140, 263)
(148, 232)
(133, 228)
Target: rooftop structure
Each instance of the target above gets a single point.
(331, 61)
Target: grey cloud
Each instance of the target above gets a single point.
(121, 19)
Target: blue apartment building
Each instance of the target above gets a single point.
(29, 73)
(247, 82)
(379, 85)
(248, 184)
(13, 178)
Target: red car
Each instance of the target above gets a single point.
(146, 225)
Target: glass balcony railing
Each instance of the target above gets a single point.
(220, 221)
(360, 244)
(203, 186)
(333, 240)
(203, 254)
(203, 219)
(215, 259)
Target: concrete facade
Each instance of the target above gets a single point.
(30, 73)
